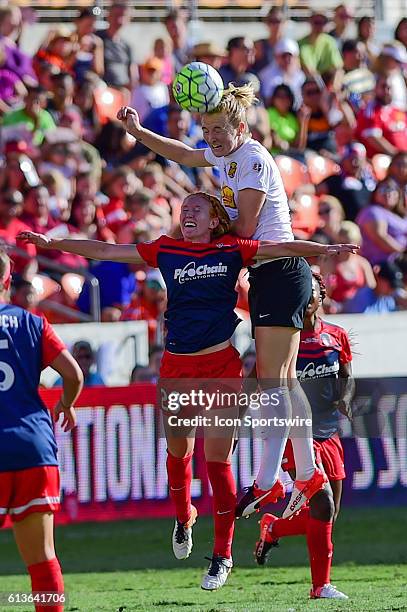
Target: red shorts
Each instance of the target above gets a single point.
(221, 364)
(328, 453)
(23, 492)
(190, 374)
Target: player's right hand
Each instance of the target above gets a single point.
(40, 240)
(130, 119)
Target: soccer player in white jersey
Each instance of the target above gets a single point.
(253, 194)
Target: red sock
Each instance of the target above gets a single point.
(179, 470)
(47, 577)
(320, 550)
(224, 502)
(291, 527)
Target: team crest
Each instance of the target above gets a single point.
(232, 169)
(326, 339)
(228, 197)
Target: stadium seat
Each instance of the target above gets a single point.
(72, 285)
(107, 103)
(45, 286)
(320, 167)
(293, 173)
(381, 163)
(305, 217)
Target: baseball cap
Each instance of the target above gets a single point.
(287, 45)
(392, 273)
(153, 63)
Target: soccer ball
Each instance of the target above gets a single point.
(198, 87)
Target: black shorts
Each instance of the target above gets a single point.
(279, 293)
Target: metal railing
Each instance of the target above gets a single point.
(219, 10)
(94, 286)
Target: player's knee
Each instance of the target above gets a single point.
(322, 506)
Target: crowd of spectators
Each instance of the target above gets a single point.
(332, 110)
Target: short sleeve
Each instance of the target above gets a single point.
(149, 251)
(52, 345)
(248, 250)
(210, 157)
(345, 355)
(255, 173)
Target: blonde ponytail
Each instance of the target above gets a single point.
(235, 102)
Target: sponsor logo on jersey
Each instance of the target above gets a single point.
(228, 197)
(232, 169)
(193, 272)
(317, 371)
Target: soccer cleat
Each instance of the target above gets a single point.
(328, 591)
(182, 536)
(255, 498)
(218, 572)
(266, 540)
(303, 490)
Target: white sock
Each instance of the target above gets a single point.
(274, 438)
(301, 436)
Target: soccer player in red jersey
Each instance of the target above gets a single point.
(200, 272)
(252, 193)
(29, 476)
(324, 369)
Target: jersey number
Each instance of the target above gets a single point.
(6, 370)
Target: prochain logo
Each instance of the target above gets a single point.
(193, 272)
(317, 371)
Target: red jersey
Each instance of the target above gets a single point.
(382, 121)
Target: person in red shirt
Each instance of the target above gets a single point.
(11, 205)
(148, 304)
(382, 127)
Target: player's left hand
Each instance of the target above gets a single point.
(69, 416)
(335, 249)
(344, 408)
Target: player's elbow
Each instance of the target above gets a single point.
(245, 228)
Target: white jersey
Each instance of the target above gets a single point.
(252, 166)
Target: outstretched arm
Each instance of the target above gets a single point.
(91, 249)
(166, 147)
(301, 248)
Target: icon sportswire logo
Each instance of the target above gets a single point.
(193, 272)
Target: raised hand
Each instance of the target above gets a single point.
(40, 240)
(130, 119)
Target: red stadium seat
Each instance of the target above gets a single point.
(72, 285)
(293, 173)
(320, 167)
(107, 103)
(305, 217)
(45, 286)
(381, 163)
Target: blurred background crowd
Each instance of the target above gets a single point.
(332, 110)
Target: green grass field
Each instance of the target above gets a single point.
(129, 566)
